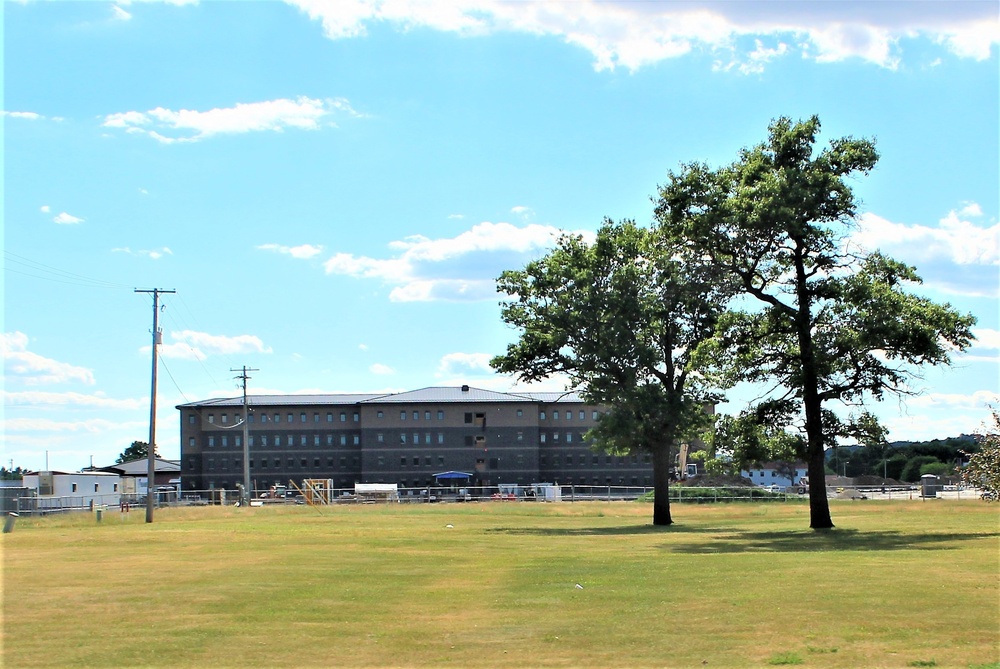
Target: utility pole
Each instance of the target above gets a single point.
(151, 468)
(244, 375)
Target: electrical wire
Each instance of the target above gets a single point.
(45, 272)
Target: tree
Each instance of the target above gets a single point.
(983, 470)
(136, 451)
(620, 317)
(821, 321)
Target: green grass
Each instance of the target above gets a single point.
(538, 585)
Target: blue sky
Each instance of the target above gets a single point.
(332, 187)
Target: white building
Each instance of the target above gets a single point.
(767, 474)
(61, 490)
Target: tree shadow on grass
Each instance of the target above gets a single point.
(603, 531)
(828, 540)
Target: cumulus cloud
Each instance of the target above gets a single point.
(169, 126)
(380, 369)
(938, 252)
(153, 254)
(634, 34)
(67, 219)
(45, 209)
(459, 268)
(31, 369)
(120, 14)
(29, 116)
(191, 345)
(460, 364)
(302, 251)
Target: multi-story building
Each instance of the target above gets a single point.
(403, 438)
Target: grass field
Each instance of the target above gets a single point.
(897, 584)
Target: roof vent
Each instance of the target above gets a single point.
(465, 389)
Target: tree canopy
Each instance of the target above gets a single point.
(620, 317)
(822, 321)
(983, 470)
(137, 450)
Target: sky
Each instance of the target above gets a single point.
(331, 188)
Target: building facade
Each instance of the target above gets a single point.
(402, 438)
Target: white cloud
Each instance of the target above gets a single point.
(459, 364)
(29, 116)
(67, 219)
(91, 426)
(957, 256)
(974, 400)
(49, 399)
(191, 345)
(458, 268)
(302, 251)
(31, 369)
(382, 370)
(120, 14)
(185, 125)
(635, 34)
(153, 254)
(362, 347)
(45, 209)
(986, 338)
(970, 209)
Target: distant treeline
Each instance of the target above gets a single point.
(902, 460)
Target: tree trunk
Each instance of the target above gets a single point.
(819, 505)
(661, 484)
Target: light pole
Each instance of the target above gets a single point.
(846, 462)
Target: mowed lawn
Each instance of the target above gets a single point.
(897, 584)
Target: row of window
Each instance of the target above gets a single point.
(276, 440)
(261, 417)
(273, 463)
(543, 437)
(594, 459)
(331, 417)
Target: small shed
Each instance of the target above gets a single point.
(376, 492)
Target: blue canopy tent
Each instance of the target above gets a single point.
(452, 475)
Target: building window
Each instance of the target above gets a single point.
(379, 437)
(569, 437)
(238, 440)
(116, 488)
(73, 487)
(343, 440)
(225, 418)
(291, 418)
(520, 412)
(555, 415)
(402, 437)
(402, 415)
(440, 415)
(427, 415)
(315, 440)
(582, 414)
(357, 439)
(329, 440)
(263, 440)
(211, 418)
(468, 418)
(379, 414)
(440, 437)
(302, 440)
(357, 417)
(277, 418)
(225, 441)
(541, 415)
(277, 440)
(329, 417)
(440, 461)
(191, 419)
(191, 442)
(250, 418)
(416, 415)
(402, 461)
(555, 436)
(541, 437)
(416, 437)
(569, 415)
(520, 436)
(211, 442)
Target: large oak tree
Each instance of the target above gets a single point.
(620, 317)
(824, 322)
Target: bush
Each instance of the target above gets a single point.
(936, 468)
(911, 472)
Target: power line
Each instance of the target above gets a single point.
(54, 274)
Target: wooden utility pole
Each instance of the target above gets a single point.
(151, 468)
(244, 375)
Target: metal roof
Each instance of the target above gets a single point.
(430, 395)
